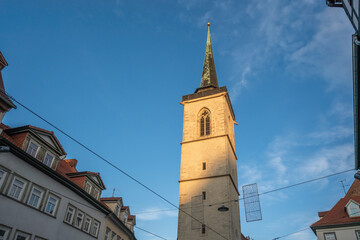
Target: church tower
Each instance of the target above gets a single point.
(208, 175)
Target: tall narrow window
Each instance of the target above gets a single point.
(204, 195)
(32, 149)
(48, 159)
(51, 205)
(35, 197)
(87, 224)
(107, 234)
(2, 177)
(203, 229)
(95, 228)
(204, 165)
(17, 189)
(69, 214)
(205, 124)
(79, 219)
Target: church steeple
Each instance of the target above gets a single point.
(208, 78)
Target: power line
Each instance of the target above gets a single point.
(150, 233)
(108, 162)
(91, 207)
(291, 233)
(263, 193)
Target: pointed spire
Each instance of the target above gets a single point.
(208, 78)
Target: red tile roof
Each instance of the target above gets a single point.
(338, 214)
(321, 214)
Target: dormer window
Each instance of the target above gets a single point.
(353, 209)
(125, 217)
(96, 194)
(116, 210)
(32, 148)
(88, 188)
(48, 159)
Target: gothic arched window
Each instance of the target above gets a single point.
(205, 123)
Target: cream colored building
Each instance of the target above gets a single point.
(208, 175)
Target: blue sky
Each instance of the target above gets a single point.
(112, 73)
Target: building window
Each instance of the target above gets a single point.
(203, 228)
(69, 215)
(96, 193)
(4, 232)
(87, 224)
(357, 233)
(204, 165)
(125, 217)
(35, 197)
(204, 195)
(113, 235)
(2, 176)
(32, 148)
(107, 234)
(48, 159)
(51, 205)
(330, 236)
(95, 228)
(353, 210)
(22, 236)
(88, 187)
(17, 188)
(205, 123)
(79, 219)
(116, 210)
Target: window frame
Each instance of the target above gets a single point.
(97, 229)
(52, 160)
(84, 224)
(56, 205)
(42, 192)
(21, 193)
(113, 235)
(96, 194)
(107, 231)
(7, 231)
(3, 177)
(37, 150)
(357, 234)
(82, 220)
(125, 216)
(349, 211)
(328, 233)
(90, 188)
(205, 122)
(70, 211)
(24, 234)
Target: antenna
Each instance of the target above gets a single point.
(252, 203)
(343, 185)
(113, 192)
